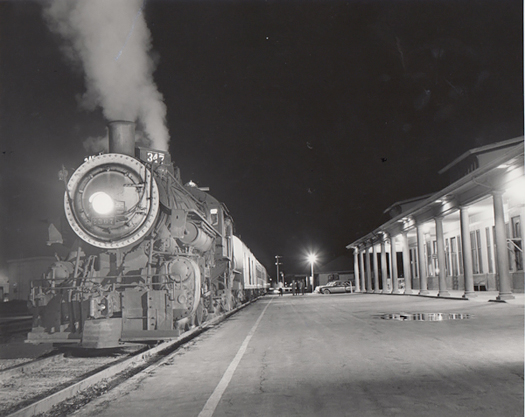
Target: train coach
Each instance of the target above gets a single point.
(251, 278)
(156, 257)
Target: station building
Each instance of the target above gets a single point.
(465, 237)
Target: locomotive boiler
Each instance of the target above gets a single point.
(156, 257)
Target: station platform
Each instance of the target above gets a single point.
(340, 355)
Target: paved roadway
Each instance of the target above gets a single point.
(330, 355)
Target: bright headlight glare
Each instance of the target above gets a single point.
(102, 203)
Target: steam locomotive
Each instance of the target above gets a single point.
(157, 257)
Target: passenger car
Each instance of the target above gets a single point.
(335, 287)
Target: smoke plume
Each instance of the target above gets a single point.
(111, 41)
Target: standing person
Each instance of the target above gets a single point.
(294, 287)
(302, 287)
(280, 291)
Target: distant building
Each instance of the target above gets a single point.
(465, 237)
(341, 268)
(21, 272)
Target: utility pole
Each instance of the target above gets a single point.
(277, 263)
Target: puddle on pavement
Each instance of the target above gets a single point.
(425, 316)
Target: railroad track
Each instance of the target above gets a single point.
(72, 382)
(30, 365)
(15, 325)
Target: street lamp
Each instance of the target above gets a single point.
(312, 258)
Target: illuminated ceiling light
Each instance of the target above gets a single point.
(516, 190)
(406, 220)
(102, 203)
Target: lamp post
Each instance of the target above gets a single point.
(312, 258)
(277, 263)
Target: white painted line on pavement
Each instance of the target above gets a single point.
(213, 401)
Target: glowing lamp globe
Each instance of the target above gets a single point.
(102, 203)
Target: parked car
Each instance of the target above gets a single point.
(272, 290)
(334, 287)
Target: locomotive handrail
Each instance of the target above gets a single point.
(83, 289)
(119, 286)
(177, 185)
(88, 279)
(97, 281)
(209, 228)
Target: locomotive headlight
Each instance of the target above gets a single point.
(112, 201)
(102, 203)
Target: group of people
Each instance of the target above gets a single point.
(297, 288)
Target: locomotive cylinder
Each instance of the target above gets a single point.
(122, 137)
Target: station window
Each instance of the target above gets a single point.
(460, 256)
(454, 256)
(475, 246)
(432, 261)
(489, 250)
(447, 257)
(428, 256)
(414, 263)
(516, 244)
(494, 248)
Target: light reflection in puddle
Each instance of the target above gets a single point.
(425, 316)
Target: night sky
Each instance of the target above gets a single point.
(306, 118)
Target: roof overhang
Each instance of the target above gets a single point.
(466, 190)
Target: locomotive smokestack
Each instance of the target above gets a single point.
(122, 137)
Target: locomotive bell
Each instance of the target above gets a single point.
(122, 137)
